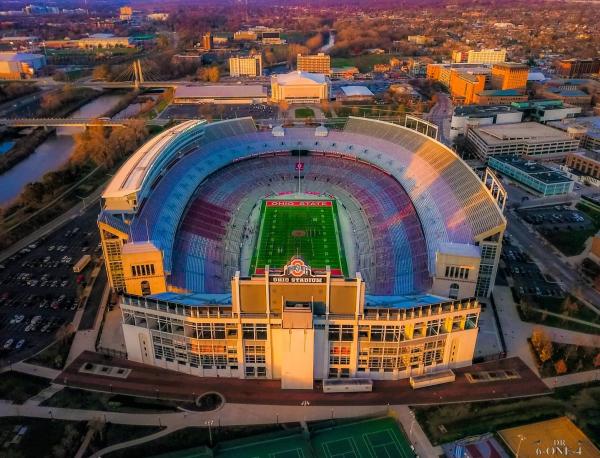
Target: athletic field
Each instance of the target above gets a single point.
(370, 438)
(378, 438)
(305, 228)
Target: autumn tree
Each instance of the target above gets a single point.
(315, 42)
(560, 367)
(102, 72)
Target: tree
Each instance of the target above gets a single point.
(315, 42)
(102, 72)
(560, 367)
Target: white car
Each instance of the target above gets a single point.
(8, 344)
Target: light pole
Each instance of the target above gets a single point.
(209, 423)
(521, 439)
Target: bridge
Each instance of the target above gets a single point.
(62, 122)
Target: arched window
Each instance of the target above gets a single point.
(453, 293)
(145, 286)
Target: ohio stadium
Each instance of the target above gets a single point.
(301, 253)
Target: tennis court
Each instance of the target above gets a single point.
(266, 446)
(375, 438)
(304, 228)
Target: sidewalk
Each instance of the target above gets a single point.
(415, 434)
(44, 395)
(572, 379)
(32, 369)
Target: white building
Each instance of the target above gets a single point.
(299, 87)
(475, 115)
(246, 66)
(531, 139)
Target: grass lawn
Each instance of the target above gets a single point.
(450, 422)
(304, 113)
(43, 438)
(296, 229)
(55, 355)
(189, 438)
(115, 434)
(92, 400)
(19, 387)
(533, 316)
(364, 62)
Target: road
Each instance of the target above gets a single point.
(549, 260)
(440, 114)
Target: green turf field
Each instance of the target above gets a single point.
(378, 438)
(297, 229)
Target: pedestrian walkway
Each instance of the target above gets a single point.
(415, 433)
(140, 440)
(32, 369)
(45, 394)
(86, 340)
(572, 379)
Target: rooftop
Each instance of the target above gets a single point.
(18, 56)
(500, 92)
(221, 91)
(590, 123)
(512, 65)
(483, 110)
(194, 300)
(403, 302)
(460, 249)
(299, 77)
(356, 91)
(535, 169)
(498, 133)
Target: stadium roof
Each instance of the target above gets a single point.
(130, 176)
(299, 77)
(19, 56)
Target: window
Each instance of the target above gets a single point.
(145, 287)
(453, 293)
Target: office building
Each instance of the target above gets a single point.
(318, 63)
(585, 129)
(104, 40)
(467, 116)
(546, 110)
(246, 66)
(576, 68)
(207, 41)
(499, 97)
(299, 87)
(442, 72)
(538, 178)
(173, 235)
(344, 73)
(530, 139)
(221, 94)
(483, 56)
(509, 75)
(464, 85)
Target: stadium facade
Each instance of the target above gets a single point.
(377, 277)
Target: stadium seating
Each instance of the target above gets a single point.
(395, 260)
(414, 196)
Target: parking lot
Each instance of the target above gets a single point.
(556, 218)
(527, 279)
(39, 292)
(199, 111)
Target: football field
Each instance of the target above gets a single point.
(305, 228)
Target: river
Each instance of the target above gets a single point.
(53, 153)
(330, 42)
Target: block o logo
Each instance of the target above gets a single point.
(297, 268)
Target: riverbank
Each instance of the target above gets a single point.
(26, 145)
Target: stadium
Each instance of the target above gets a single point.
(301, 253)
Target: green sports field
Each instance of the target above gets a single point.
(377, 438)
(305, 228)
